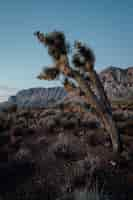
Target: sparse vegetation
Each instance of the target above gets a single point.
(48, 153)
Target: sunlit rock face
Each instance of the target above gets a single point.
(38, 97)
(118, 82)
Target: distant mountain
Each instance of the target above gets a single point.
(36, 97)
(118, 82)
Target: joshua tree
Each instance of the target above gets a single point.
(79, 75)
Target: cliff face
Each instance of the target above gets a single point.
(38, 97)
(118, 82)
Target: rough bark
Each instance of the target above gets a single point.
(105, 116)
(99, 87)
(106, 109)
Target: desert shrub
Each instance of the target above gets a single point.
(68, 147)
(92, 194)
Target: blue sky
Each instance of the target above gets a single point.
(106, 25)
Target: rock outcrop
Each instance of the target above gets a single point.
(36, 98)
(118, 82)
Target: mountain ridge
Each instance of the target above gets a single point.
(118, 84)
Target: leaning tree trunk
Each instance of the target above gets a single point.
(106, 107)
(102, 105)
(105, 116)
(99, 87)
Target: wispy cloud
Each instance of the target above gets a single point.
(6, 91)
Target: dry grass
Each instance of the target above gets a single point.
(123, 103)
(92, 194)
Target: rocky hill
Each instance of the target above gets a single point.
(118, 82)
(36, 98)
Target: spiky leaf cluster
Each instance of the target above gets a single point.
(56, 43)
(83, 55)
(49, 74)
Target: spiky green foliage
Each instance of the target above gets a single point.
(56, 43)
(49, 73)
(82, 55)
